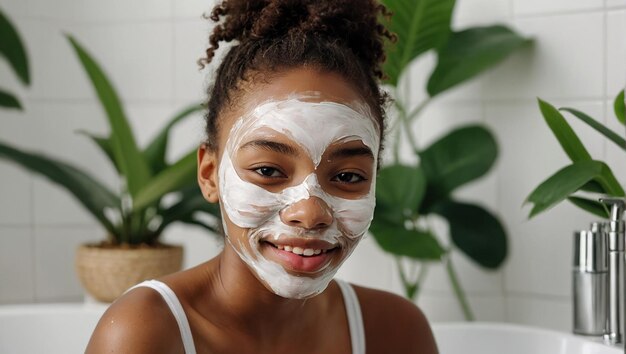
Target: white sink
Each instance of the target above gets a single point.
(501, 338)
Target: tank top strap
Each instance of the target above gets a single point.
(177, 310)
(355, 318)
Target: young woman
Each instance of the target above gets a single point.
(294, 125)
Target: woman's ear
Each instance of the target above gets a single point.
(207, 173)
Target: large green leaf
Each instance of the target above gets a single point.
(399, 191)
(86, 189)
(475, 231)
(463, 155)
(570, 179)
(12, 49)
(566, 136)
(470, 52)
(155, 152)
(397, 240)
(619, 106)
(592, 206)
(128, 157)
(599, 127)
(176, 176)
(420, 25)
(7, 100)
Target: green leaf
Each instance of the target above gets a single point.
(568, 139)
(86, 189)
(463, 155)
(599, 127)
(470, 52)
(395, 239)
(155, 152)
(128, 157)
(475, 231)
(399, 190)
(420, 25)
(591, 206)
(620, 107)
(191, 201)
(12, 49)
(178, 175)
(593, 187)
(104, 144)
(570, 179)
(7, 100)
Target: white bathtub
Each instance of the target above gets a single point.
(65, 329)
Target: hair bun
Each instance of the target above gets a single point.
(353, 23)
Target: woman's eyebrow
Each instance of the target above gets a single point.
(351, 152)
(271, 146)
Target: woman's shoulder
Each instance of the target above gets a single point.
(138, 322)
(394, 324)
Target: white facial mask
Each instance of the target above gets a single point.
(313, 126)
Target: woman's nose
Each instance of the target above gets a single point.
(311, 213)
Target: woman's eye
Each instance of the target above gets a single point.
(269, 172)
(349, 177)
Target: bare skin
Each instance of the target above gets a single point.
(229, 309)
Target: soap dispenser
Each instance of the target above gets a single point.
(590, 281)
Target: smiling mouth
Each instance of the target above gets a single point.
(301, 256)
(303, 250)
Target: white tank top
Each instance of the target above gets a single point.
(350, 300)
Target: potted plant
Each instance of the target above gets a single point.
(585, 176)
(135, 217)
(407, 196)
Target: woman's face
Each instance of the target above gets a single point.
(295, 176)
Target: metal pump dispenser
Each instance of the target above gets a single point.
(615, 230)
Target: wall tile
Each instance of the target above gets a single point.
(56, 70)
(446, 308)
(555, 66)
(192, 8)
(191, 39)
(610, 4)
(480, 12)
(551, 313)
(56, 136)
(440, 118)
(199, 245)
(137, 58)
(530, 154)
(98, 11)
(16, 265)
(144, 71)
(14, 9)
(55, 249)
(368, 266)
(615, 52)
(538, 7)
(16, 189)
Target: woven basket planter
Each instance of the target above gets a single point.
(106, 272)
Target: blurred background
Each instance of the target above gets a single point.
(149, 49)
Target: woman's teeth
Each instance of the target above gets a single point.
(300, 251)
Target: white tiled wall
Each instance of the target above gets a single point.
(150, 48)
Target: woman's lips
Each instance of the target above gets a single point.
(298, 259)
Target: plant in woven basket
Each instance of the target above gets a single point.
(136, 215)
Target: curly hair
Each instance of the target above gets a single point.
(274, 35)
